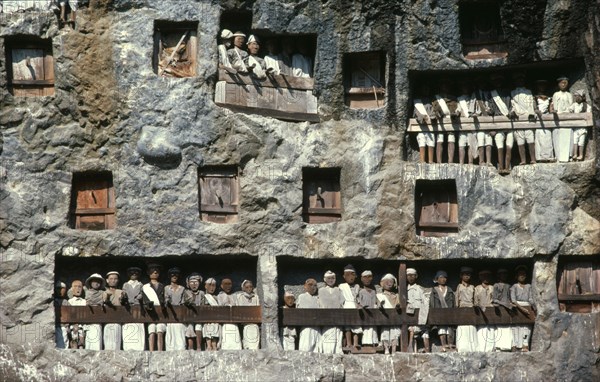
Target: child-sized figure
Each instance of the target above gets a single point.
(113, 296)
(134, 334)
(230, 333)
(500, 104)
(61, 332)
(561, 101)
(445, 105)
(523, 109)
(389, 300)
(93, 296)
(350, 291)
(77, 331)
(310, 337)
(466, 335)
(501, 297)
(194, 297)
(486, 334)
(174, 294)
(289, 332)
(423, 113)
(579, 134)
(153, 294)
(212, 331)
(225, 39)
(521, 296)
(331, 297)
(544, 149)
(416, 300)
(251, 332)
(442, 296)
(367, 299)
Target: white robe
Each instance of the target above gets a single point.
(388, 333)
(133, 334)
(301, 65)
(230, 333)
(211, 330)
(310, 337)
(251, 332)
(562, 137)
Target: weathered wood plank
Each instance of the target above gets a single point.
(135, 314)
(365, 91)
(94, 211)
(549, 121)
(579, 297)
(278, 114)
(33, 82)
(272, 81)
(392, 317)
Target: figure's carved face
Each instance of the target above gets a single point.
(239, 41)
(521, 277)
(485, 277)
(253, 48)
(310, 286)
(77, 288)
(135, 275)
(210, 287)
(465, 277)
(563, 85)
(174, 277)
(578, 98)
(387, 284)
(350, 277)
(154, 274)
(289, 301)
(442, 280)
(194, 285)
(61, 292)
(226, 285)
(412, 278)
(95, 284)
(367, 280)
(112, 281)
(502, 276)
(330, 280)
(248, 287)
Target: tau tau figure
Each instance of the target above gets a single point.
(272, 59)
(134, 334)
(289, 332)
(442, 296)
(416, 300)
(93, 296)
(499, 104)
(153, 294)
(310, 337)
(77, 331)
(423, 112)
(237, 55)
(194, 297)
(486, 334)
(230, 333)
(482, 108)
(561, 101)
(466, 335)
(176, 61)
(331, 297)
(523, 109)
(445, 105)
(113, 296)
(350, 290)
(302, 65)
(367, 299)
(63, 12)
(212, 331)
(226, 37)
(467, 105)
(174, 296)
(255, 64)
(251, 332)
(389, 300)
(521, 296)
(501, 297)
(579, 134)
(61, 332)
(544, 149)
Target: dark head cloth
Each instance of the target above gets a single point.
(521, 268)
(349, 268)
(131, 270)
(440, 274)
(174, 271)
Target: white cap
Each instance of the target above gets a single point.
(329, 274)
(238, 34)
(245, 282)
(366, 273)
(389, 276)
(113, 273)
(210, 280)
(226, 33)
(252, 38)
(60, 284)
(411, 271)
(288, 294)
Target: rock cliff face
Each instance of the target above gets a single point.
(111, 112)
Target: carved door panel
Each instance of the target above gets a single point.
(219, 196)
(28, 64)
(94, 204)
(322, 197)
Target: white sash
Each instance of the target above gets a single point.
(498, 101)
(382, 299)
(420, 107)
(241, 60)
(211, 300)
(349, 297)
(271, 62)
(442, 103)
(464, 108)
(151, 294)
(258, 69)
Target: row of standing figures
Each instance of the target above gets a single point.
(545, 145)
(100, 291)
(469, 338)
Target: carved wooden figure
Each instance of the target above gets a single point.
(423, 112)
(238, 55)
(486, 334)
(521, 296)
(310, 337)
(544, 149)
(192, 298)
(93, 296)
(467, 103)
(523, 108)
(251, 332)
(134, 334)
(367, 299)
(255, 64)
(500, 104)
(212, 331)
(389, 300)
(482, 108)
(225, 44)
(153, 295)
(112, 297)
(445, 105)
(442, 296)
(174, 296)
(63, 12)
(350, 290)
(289, 332)
(416, 300)
(61, 332)
(76, 331)
(501, 297)
(466, 335)
(230, 333)
(562, 137)
(330, 296)
(579, 134)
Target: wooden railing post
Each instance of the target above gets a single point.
(402, 296)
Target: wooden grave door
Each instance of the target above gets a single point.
(95, 203)
(219, 195)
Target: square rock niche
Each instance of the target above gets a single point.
(219, 193)
(364, 80)
(322, 200)
(93, 201)
(436, 207)
(30, 67)
(481, 30)
(175, 49)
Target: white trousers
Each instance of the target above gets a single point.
(112, 337)
(134, 337)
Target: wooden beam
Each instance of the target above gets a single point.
(548, 121)
(346, 317)
(32, 82)
(278, 114)
(94, 211)
(365, 90)
(272, 81)
(135, 314)
(579, 297)
(474, 316)
(403, 298)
